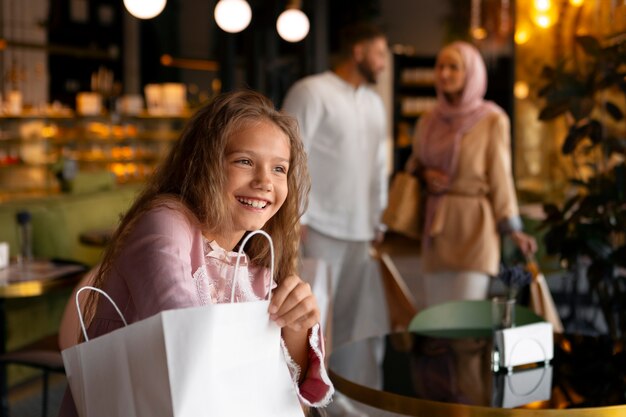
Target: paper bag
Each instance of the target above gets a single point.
(541, 301)
(215, 360)
(402, 214)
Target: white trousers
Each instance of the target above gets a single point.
(359, 310)
(440, 287)
(359, 307)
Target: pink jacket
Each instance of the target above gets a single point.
(165, 264)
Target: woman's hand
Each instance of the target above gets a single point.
(526, 243)
(436, 181)
(293, 305)
(411, 164)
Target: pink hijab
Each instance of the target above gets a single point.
(443, 128)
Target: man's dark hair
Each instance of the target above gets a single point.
(356, 33)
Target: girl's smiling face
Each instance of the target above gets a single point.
(257, 163)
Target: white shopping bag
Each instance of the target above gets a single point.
(215, 360)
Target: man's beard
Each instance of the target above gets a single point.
(366, 71)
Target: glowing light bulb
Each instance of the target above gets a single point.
(521, 36)
(144, 9)
(479, 33)
(521, 90)
(543, 21)
(292, 25)
(542, 5)
(233, 15)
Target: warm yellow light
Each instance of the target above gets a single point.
(542, 5)
(49, 131)
(232, 16)
(166, 60)
(543, 20)
(144, 9)
(520, 90)
(522, 36)
(576, 3)
(118, 169)
(479, 33)
(292, 25)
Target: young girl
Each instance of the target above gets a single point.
(238, 166)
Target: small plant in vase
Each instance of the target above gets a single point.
(514, 278)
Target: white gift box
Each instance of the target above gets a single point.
(522, 345)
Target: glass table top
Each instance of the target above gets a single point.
(585, 373)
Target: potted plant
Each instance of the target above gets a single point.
(589, 227)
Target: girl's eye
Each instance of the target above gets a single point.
(281, 169)
(243, 162)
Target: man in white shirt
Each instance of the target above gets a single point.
(342, 122)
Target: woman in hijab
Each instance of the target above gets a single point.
(461, 151)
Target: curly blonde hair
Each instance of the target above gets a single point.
(192, 178)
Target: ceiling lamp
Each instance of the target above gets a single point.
(232, 15)
(144, 9)
(292, 24)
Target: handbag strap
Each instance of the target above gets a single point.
(245, 240)
(80, 314)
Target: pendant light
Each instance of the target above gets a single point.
(292, 24)
(144, 9)
(232, 15)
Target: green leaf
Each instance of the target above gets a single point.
(598, 271)
(619, 256)
(614, 111)
(550, 209)
(595, 131)
(553, 110)
(590, 45)
(574, 136)
(599, 248)
(548, 72)
(582, 107)
(616, 146)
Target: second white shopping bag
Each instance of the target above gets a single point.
(215, 360)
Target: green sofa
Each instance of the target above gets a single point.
(57, 223)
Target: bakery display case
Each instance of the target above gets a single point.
(38, 152)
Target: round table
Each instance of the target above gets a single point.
(437, 376)
(37, 277)
(30, 279)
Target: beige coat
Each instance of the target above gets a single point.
(464, 232)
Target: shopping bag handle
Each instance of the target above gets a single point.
(245, 240)
(80, 314)
(532, 266)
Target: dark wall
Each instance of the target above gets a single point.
(82, 40)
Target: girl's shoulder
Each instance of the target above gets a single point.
(168, 218)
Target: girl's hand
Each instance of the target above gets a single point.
(293, 305)
(436, 181)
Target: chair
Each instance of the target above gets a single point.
(46, 355)
(464, 318)
(400, 302)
